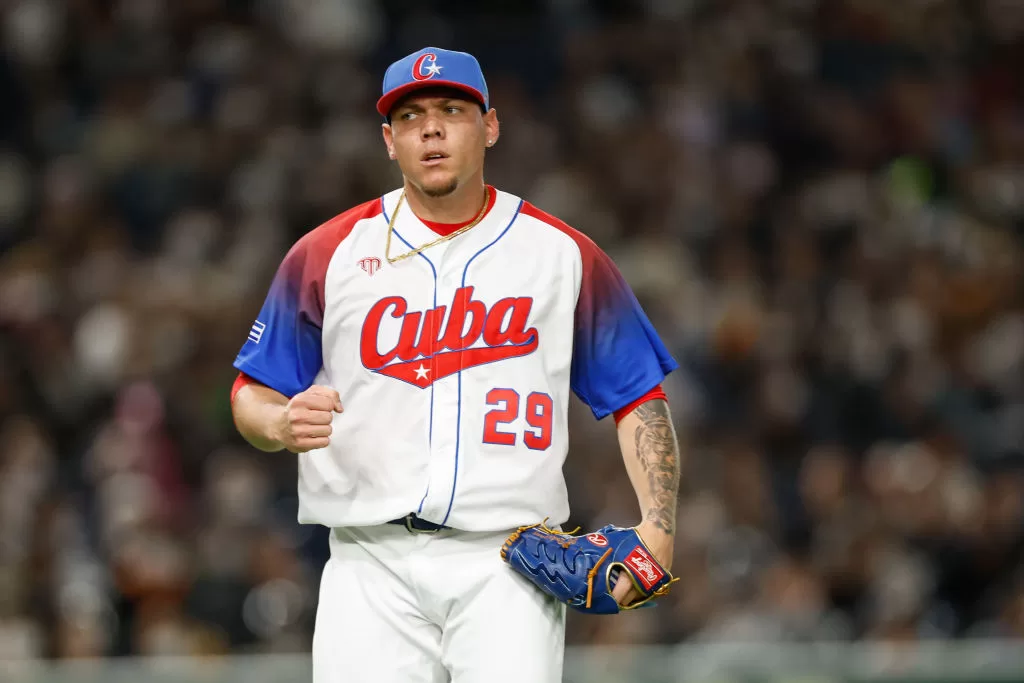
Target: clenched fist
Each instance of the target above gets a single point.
(306, 420)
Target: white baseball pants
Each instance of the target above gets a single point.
(401, 607)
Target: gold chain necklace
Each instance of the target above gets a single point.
(444, 238)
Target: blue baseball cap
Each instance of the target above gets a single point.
(433, 67)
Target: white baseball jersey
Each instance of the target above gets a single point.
(454, 366)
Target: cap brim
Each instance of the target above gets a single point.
(387, 102)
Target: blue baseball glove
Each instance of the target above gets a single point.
(581, 571)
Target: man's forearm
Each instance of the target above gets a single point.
(651, 454)
(257, 411)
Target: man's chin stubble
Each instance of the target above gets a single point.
(442, 191)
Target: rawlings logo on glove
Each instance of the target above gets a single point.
(581, 570)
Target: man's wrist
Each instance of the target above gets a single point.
(659, 541)
(277, 425)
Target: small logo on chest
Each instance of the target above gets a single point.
(426, 351)
(369, 264)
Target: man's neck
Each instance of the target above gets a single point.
(458, 207)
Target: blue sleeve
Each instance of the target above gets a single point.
(617, 354)
(284, 346)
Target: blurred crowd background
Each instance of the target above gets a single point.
(819, 202)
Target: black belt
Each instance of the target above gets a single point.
(416, 525)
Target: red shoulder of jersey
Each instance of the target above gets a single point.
(305, 267)
(283, 350)
(617, 355)
(582, 241)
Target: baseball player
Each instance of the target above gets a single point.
(417, 353)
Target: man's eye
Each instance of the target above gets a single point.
(452, 109)
(407, 116)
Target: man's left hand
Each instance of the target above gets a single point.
(661, 545)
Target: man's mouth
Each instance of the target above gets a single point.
(433, 158)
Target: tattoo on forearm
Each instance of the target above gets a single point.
(658, 453)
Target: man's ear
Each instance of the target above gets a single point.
(492, 126)
(389, 139)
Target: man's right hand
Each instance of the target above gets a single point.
(305, 422)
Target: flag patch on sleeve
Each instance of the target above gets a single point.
(256, 332)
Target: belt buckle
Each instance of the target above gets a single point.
(413, 530)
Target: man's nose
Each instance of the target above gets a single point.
(432, 127)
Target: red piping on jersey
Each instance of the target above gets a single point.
(445, 229)
(240, 381)
(656, 392)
